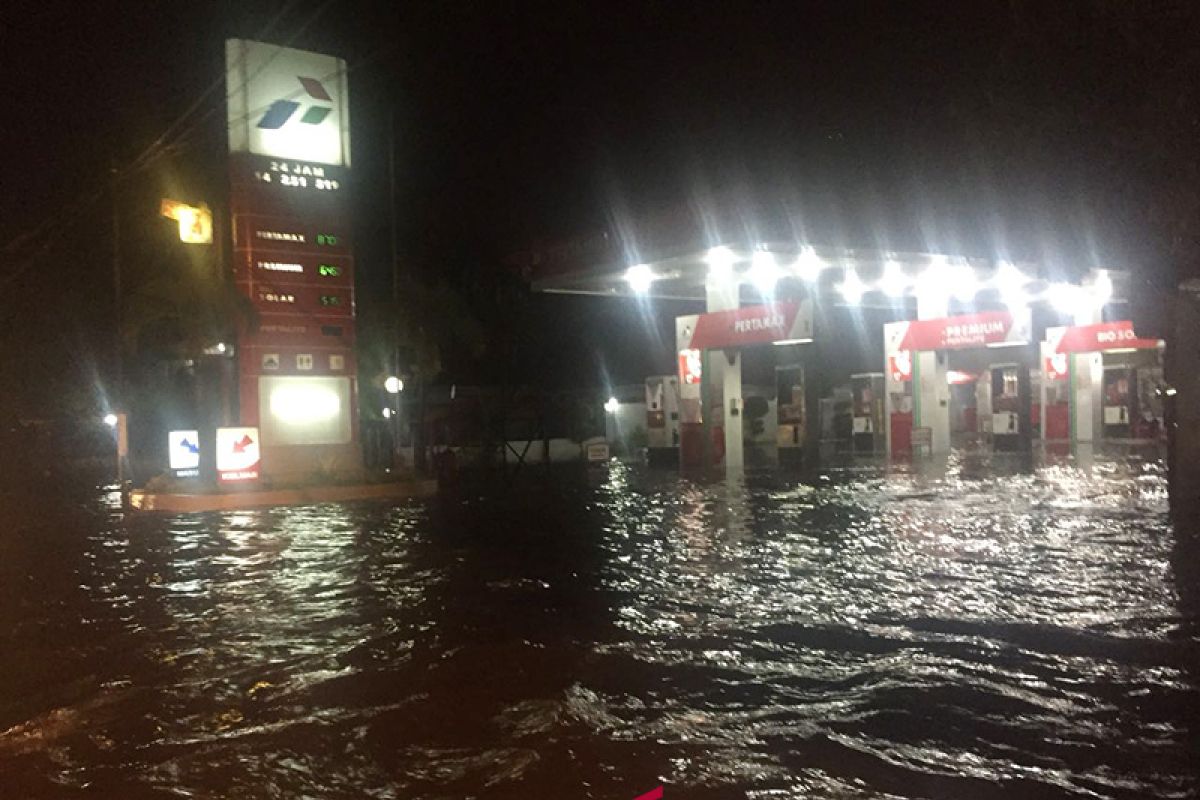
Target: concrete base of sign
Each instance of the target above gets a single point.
(142, 500)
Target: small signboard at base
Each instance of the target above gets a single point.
(183, 453)
(238, 454)
(597, 451)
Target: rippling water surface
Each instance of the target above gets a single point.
(964, 633)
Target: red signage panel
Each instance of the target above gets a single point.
(288, 188)
(300, 329)
(296, 359)
(763, 324)
(1103, 336)
(965, 331)
(270, 297)
(255, 232)
(314, 269)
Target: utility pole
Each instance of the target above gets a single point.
(396, 428)
(118, 390)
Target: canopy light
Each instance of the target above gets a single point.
(783, 342)
(963, 285)
(1102, 287)
(1010, 282)
(809, 265)
(387, 413)
(937, 279)
(1065, 297)
(764, 272)
(852, 288)
(393, 385)
(639, 277)
(894, 282)
(720, 262)
(110, 420)
(611, 405)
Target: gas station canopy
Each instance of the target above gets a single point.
(863, 277)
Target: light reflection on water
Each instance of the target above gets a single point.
(965, 630)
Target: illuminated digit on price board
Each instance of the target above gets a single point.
(327, 239)
(331, 300)
(329, 270)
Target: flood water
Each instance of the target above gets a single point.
(976, 632)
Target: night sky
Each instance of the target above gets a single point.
(1067, 135)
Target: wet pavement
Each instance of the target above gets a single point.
(980, 631)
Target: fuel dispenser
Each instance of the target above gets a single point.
(793, 430)
(867, 407)
(1055, 395)
(1120, 401)
(1010, 427)
(662, 420)
(899, 388)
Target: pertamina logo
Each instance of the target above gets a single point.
(281, 111)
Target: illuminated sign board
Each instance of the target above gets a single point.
(291, 105)
(305, 409)
(292, 223)
(238, 454)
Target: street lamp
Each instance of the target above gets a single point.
(393, 385)
(639, 277)
(611, 405)
(110, 420)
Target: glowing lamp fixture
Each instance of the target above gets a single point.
(893, 282)
(387, 413)
(852, 288)
(393, 385)
(720, 262)
(764, 272)
(110, 420)
(611, 405)
(808, 265)
(195, 223)
(639, 277)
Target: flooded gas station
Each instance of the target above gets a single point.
(893, 514)
(900, 529)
